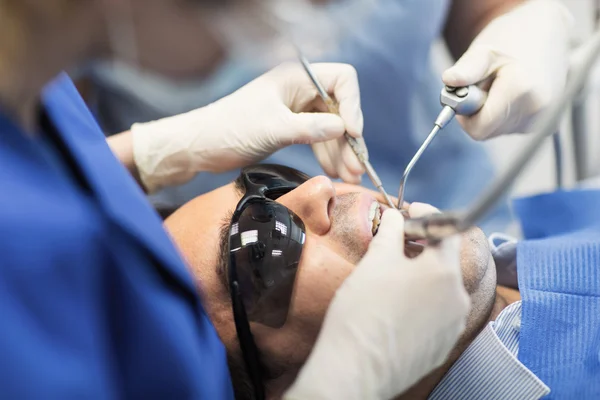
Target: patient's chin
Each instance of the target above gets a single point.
(479, 278)
(475, 259)
(483, 297)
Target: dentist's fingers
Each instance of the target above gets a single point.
(341, 80)
(390, 235)
(418, 210)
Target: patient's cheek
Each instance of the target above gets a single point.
(508, 294)
(475, 258)
(320, 274)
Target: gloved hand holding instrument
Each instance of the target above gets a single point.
(271, 112)
(436, 227)
(522, 57)
(358, 146)
(511, 72)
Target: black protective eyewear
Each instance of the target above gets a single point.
(265, 245)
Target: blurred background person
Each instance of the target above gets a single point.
(389, 43)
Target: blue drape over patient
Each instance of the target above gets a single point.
(559, 280)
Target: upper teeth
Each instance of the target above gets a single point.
(375, 216)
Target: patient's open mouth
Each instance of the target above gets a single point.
(375, 216)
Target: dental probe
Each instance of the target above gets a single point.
(438, 226)
(465, 100)
(359, 149)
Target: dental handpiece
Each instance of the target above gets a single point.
(466, 100)
(436, 227)
(359, 148)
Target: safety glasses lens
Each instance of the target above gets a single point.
(266, 244)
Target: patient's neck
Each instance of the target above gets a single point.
(422, 389)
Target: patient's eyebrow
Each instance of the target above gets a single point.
(238, 185)
(223, 259)
(223, 243)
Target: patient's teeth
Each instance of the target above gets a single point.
(377, 220)
(372, 211)
(374, 216)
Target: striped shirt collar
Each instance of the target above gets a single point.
(489, 368)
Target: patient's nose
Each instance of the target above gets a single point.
(312, 202)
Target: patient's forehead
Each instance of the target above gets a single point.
(195, 227)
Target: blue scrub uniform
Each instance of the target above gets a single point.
(94, 299)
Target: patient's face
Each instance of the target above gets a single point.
(338, 232)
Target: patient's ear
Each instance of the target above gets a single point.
(508, 294)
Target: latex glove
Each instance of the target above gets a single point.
(271, 112)
(525, 54)
(392, 321)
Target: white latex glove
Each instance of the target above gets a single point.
(392, 321)
(271, 112)
(525, 54)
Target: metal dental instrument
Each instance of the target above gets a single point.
(436, 227)
(463, 101)
(359, 149)
(558, 159)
